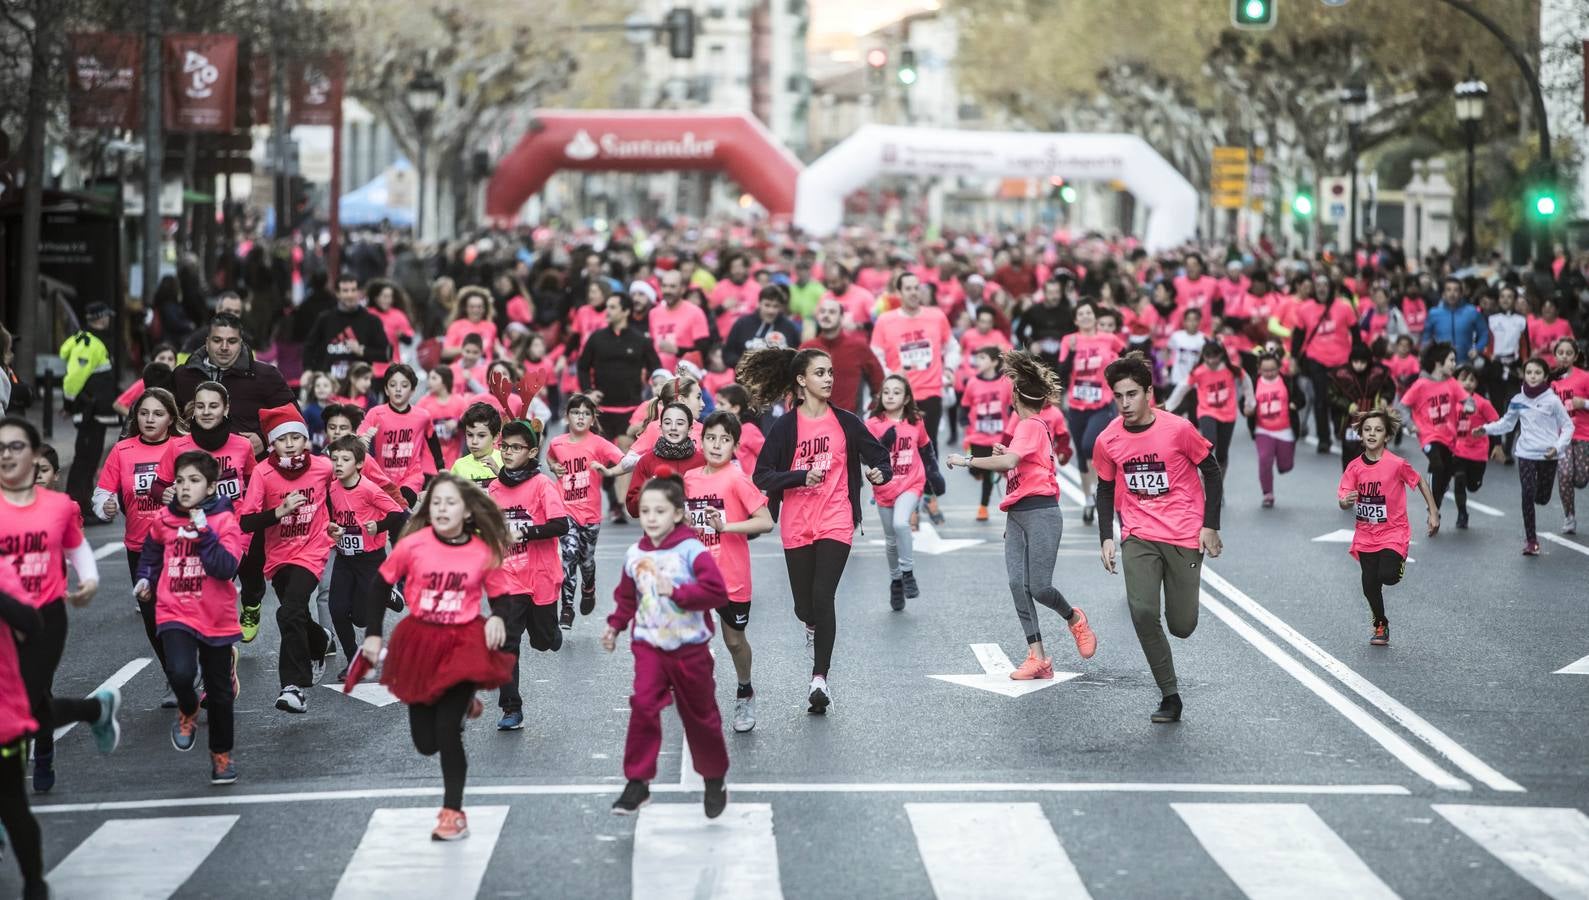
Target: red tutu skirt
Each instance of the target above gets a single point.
(424, 659)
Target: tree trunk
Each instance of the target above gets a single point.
(33, 329)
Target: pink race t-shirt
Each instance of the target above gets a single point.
(444, 416)
(532, 567)
(355, 507)
(1543, 334)
(129, 473)
(301, 539)
(1474, 448)
(185, 594)
(1033, 475)
(236, 457)
(16, 716)
(822, 512)
(1328, 338)
(904, 457)
(729, 491)
(1415, 312)
(1435, 406)
(34, 540)
(857, 302)
(1092, 355)
(486, 328)
(1216, 392)
(1570, 386)
(1273, 400)
(396, 325)
(751, 440)
(131, 394)
(443, 583)
(400, 443)
(987, 402)
(1157, 488)
(581, 482)
(684, 325)
(1381, 507)
(913, 345)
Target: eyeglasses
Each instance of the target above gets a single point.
(16, 447)
(516, 448)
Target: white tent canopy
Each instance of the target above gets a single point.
(875, 150)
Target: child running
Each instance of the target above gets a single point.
(986, 400)
(1470, 452)
(725, 509)
(397, 433)
(1033, 524)
(1435, 400)
(445, 408)
(1083, 359)
(1217, 387)
(360, 514)
(669, 587)
(580, 458)
(444, 649)
(1571, 383)
(185, 572)
(897, 424)
(1274, 406)
(482, 425)
(530, 581)
(1545, 436)
(676, 448)
(1374, 487)
(19, 622)
(735, 399)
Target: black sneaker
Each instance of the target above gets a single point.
(1381, 635)
(587, 601)
(635, 795)
(395, 601)
(896, 595)
(911, 590)
(716, 797)
(566, 617)
(1169, 710)
(1462, 520)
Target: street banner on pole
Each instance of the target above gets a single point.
(1228, 177)
(259, 89)
(103, 79)
(200, 82)
(316, 92)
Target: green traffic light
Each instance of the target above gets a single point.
(907, 76)
(1255, 9)
(1253, 14)
(1067, 194)
(1545, 205)
(1302, 205)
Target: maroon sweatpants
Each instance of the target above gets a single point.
(687, 674)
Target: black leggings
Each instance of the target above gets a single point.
(1324, 415)
(931, 413)
(303, 641)
(146, 609)
(184, 652)
(1536, 477)
(251, 572)
(438, 728)
(814, 573)
(21, 827)
(38, 657)
(978, 451)
(1219, 434)
(1441, 467)
(352, 579)
(1466, 475)
(521, 617)
(1381, 568)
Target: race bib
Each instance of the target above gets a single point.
(446, 429)
(697, 509)
(228, 488)
(1147, 479)
(1371, 510)
(339, 370)
(915, 355)
(990, 425)
(351, 542)
(1086, 392)
(1048, 346)
(142, 480)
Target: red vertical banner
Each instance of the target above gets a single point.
(259, 90)
(103, 79)
(200, 82)
(315, 87)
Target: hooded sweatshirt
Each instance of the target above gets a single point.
(668, 623)
(191, 570)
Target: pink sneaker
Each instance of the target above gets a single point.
(1086, 641)
(1035, 667)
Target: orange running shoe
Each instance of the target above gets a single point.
(1086, 641)
(1035, 668)
(982, 514)
(451, 825)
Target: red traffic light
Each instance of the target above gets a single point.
(877, 57)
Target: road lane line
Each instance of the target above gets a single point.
(1581, 667)
(139, 858)
(108, 549)
(1558, 539)
(613, 788)
(975, 850)
(1279, 851)
(689, 779)
(1476, 506)
(122, 676)
(397, 858)
(679, 853)
(1409, 755)
(1441, 742)
(1548, 847)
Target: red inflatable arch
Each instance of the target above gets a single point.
(645, 142)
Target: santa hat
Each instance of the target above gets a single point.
(280, 420)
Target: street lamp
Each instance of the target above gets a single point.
(1470, 96)
(1355, 98)
(424, 94)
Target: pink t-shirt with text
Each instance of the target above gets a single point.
(400, 443)
(443, 583)
(822, 512)
(913, 345)
(236, 457)
(130, 473)
(728, 490)
(904, 457)
(34, 540)
(184, 593)
(301, 539)
(1381, 507)
(532, 567)
(1158, 491)
(582, 483)
(1033, 475)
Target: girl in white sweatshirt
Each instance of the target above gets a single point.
(1545, 435)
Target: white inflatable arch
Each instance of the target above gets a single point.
(875, 150)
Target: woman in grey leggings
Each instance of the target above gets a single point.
(1031, 504)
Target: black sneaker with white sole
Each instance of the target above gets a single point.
(911, 590)
(821, 696)
(565, 618)
(716, 799)
(1169, 710)
(291, 699)
(635, 795)
(896, 595)
(587, 601)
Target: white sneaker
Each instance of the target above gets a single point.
(744, 714)
(821, 696)
(1569, 525)
(292, 700)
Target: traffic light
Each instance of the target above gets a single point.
(1302, 206)
(907, 67)
(1255, 15)
(1067, 194)
(681, 32)
(876, 61)
(1544, 205)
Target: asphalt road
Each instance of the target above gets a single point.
(1451, 764)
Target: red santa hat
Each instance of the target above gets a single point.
(280, 420)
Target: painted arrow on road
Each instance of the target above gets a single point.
(1581, 667)
(995, 675)
(928, 541)
(371, 692)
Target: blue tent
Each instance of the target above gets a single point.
(368, 205)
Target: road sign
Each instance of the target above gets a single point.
(995, 675)
(1229, 172)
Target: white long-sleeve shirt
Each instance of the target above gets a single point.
(1545, 424)
(1506, 331)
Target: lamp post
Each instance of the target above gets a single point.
(1470, 96)
(424, 95)
(1355, 98)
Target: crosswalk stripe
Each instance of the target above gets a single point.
(1276, 851)
(973, 850)
(1548, 847)
(679, 853)
(397, 858)
(139, 858)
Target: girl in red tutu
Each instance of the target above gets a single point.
(444, 649)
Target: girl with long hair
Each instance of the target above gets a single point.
(896, 422)
(475, 313)
(1571, 384)
(390, 304)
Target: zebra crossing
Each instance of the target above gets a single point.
(1268, 851)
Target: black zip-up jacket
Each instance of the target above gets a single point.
(1042, 322)
(617, 363)
(250, 386)
(325, 350)
(774, 476)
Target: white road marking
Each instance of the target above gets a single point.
(122, 676)
(679, 853)
(1558, 539)
(1581, 667)
(1441, 742)
(975, 850)
(995, 675)
(1277, 851)
(108, 549)
(1409, 755)
(928, 541)
(613, 788)
(1476, 506)
(689, 779)
(371, 692)
(1548, 847)
(138, 858)
(397, 858)
(1338, 536)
